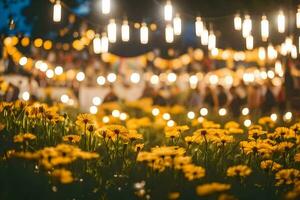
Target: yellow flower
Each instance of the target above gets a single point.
(118, 131)
(283, 132)
(138, 147)
(270, 165)
(180, 161)
(239, 170)
(284, 146)
(164, 151)
(24, 137)
(84, 119)
(133, 135)
(192, 172)
(211, 188)
(254, 134)
(267, 121)
(63, 175)
(173, 195)
(232, 124)
(175, 131)
(71, 138)
(255, 127)
(287, 176)
(297, 157)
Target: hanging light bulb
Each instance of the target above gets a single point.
(247, 26)
(294, 52)
(211, 41)
(177, 25)
(289, 44)
(125, 31)
(168, 11)
(105, 7)
(144, 33)
(97, 44)
(204, 37)
(272, 53)
(104, 43)
(261, 53)
(57, 11)
(169, 33)
(264, 28)
(249, 42)
(281, 22)
(237, 22)
(279, 68)
(199, 26)
(298, 18)
(112, 31)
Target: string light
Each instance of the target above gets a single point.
(204, 37)
(155, 111)
(166, 116)
(80, 76)
(294, 52)
(101, 80)
(278, 68)
(177, 25)
(104, 43)
(272, 53)
(281, 22)
(245, 111)
(111, 77)
(168, 11)
(249, 42)
(50, 73)
(25, 96)
(170, 123)
(213, 79)
(23, 61)
(264, 28)
(154, 80)
(58, 70)
(64, 98)
(273, 117)
(172, 77)
(97, 44)
(199, 26)
(203, 111)
(261, 53)
(105, 7)
(298, 18)
(125, 31)
(97, 101)
(169, 33)
(57, 11)
(247, 26)
(247, 122)
(135, 77)
(112, 31)
(144, 34)
(222, 112)
(191, 115)
(93, 110)
(211, 41)
(237, 22)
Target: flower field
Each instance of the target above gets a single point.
(134, 151)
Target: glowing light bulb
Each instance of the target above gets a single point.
(64, 98)
(211, 41)
(264, 28)
(50, 73)
(154, 80)
(222, 112)
(168, 11)
(287, 116)
(273, 117)
(249, 42)
(125, 31)
(193, 81)
(57, 12)
(105, 7)
(116, 113)
(213, 79)
(172, 77)
(105, 119)
(237, 22)
(204, 37)
(58, 70)
(101, 80)
(104, 43)
(177, 25)
(135, 77)
(111, 77)
(144, 34)
(97, 44)
(272, 53)
(278, 68)
(199, 26)
(155, 111)
(25, 96)
(298, 18)
(261, 53)
(80, 76)
(123, 116)
(23, 61)
(281, 22)
(191, 115)
(247, 122)
(170, 123)
(247, 26)
(169, 33)
(245, 111)
(97, 101)
(166, 116)
(112, 31)
(93, 110)
(203, 111)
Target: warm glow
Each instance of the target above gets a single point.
(249, 42)
(264, 28)
(245, 111)
(144, 34)
(177, 25)
(57, 12)
(222, 112)
(204, 37)
(111, 77)
(247, 26)
(125, 31)
(169, 33)
(211, 41)
(97, 44)
(101, 80)
(135, 77)
(281, 22)
(203, 111)
(105, 6)
(191, 115)
(261, 53)
(168, 11)
(237, 22)
(298, 18)
(112, 31)
(104, 43)
(199, 26)
(80, 76)
(247, 122)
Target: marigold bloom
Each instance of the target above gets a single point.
(63, 175)
(239, 170)
(211, 188)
